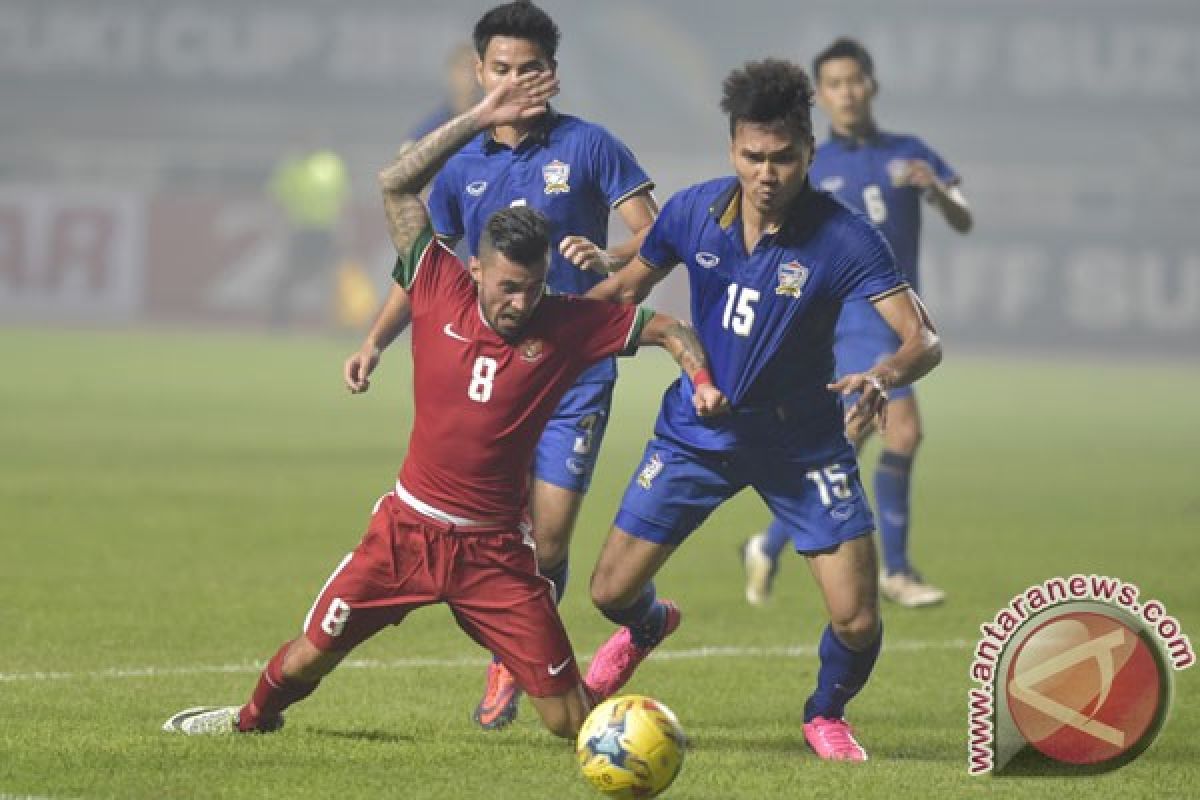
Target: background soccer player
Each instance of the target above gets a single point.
(770, 262)
(885, 176)
(574, 172)
(492, 357)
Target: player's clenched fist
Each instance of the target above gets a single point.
(709, 401)
(358, 367)
(585, 254)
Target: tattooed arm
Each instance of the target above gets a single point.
(415, 165)
(680, 340)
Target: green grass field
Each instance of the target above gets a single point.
(171, 502)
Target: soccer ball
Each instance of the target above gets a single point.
(631, 747)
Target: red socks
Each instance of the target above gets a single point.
(272, 695)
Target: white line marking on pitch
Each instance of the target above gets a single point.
(793, 651)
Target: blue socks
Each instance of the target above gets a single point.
(558, 576)
(892, 479)
(778, 538)
(843, 673)
(646, 618)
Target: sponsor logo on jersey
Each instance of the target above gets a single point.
(556, 174)
(520, 202)
(532, 350)
(476, 188)
(650, 471)
(707, 260)
(792, 277)
(576, 466)
(833, 183)
(449, 331)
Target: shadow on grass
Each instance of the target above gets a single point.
(382, 737)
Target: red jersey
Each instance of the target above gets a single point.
(482, 402)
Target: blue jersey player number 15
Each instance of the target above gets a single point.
(770, 262)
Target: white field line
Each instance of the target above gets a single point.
(793, 651)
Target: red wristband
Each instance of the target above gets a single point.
(702, 378)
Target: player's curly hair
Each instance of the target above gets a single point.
(521, 234)
(771, 92)
(519, 20)
(845, 47)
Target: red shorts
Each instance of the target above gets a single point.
(489, 580)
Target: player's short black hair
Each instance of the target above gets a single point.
(519, 20)
(845, 47)
(769, 92)
(521, 234)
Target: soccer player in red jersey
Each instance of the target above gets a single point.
(492, 357)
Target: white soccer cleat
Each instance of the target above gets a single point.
(204, 720)
(760, 570)
(910, 590)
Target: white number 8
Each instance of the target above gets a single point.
(482, 378)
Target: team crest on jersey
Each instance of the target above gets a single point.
(792, 277)
(832, 183)
(650, 471)
(476, 188)
(556, 175)
(707, 260)
(532, 350)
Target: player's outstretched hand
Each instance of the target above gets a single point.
(919, 174)
(585, 254)
(709, 401)
(357, 369)
(523, 97)
(872, 401)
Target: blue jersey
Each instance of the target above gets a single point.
(859, 174)
(767, 318)
(572, 171)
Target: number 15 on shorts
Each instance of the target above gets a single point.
(832, 483)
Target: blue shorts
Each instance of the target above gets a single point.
(676, 488)
(861, 342)
(566, 453)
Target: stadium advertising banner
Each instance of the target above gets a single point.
(1071, 123)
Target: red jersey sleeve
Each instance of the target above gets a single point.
(603, 329)
(427, 265)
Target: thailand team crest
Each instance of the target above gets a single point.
(649, 472)
(792, 277)
(556, 174)
(532, 350)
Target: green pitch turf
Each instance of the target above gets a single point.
(171, 502)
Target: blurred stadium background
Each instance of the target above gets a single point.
(176, 478)
(138, 137)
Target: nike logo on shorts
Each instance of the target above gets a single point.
(554, 669)
(449, 331)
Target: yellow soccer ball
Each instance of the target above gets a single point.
(631, 747)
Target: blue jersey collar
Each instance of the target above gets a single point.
(539, 134)
(872, 136)
(727, 205)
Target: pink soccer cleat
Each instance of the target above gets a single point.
(498, 708)
(833, 740)
(618, 658)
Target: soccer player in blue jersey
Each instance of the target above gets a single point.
(885, 176)
(575, 173)
(770, 262)
(461, 92)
